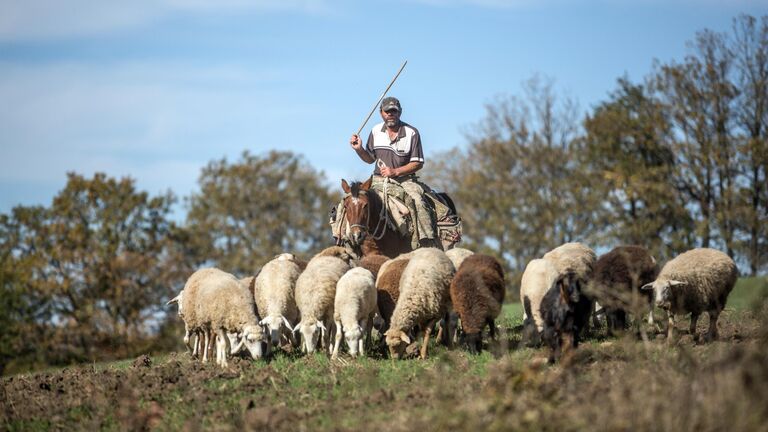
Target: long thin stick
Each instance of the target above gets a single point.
(382, 97)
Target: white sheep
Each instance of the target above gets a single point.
(694, 282)
(315, 294)
(216, 302)
(274, 291)
(573, 257)
(538, 277)
(457, 256)
(424, 299)
(354, 308)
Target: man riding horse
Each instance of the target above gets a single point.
(395, 147)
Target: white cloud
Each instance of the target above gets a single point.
(47, 19)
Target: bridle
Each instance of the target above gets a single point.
(381, 226)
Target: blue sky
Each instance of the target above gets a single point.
(155, 89)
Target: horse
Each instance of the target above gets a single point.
(369, 224)
(365, 215)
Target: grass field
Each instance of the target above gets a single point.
(611, 384)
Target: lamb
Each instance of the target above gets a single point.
(458, 255)
(565, 308)
(477, 291)
(694, 282)
(315, 295)
(354, 308)
(215, 301)
(616, 283)
(424, 299)
(538, 278)
(273, 290)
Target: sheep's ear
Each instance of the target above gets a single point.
(321, 325)
(367, 185)
(174, 300)
(263, 322)
(345, 186)
(674, 282)
(295, 329)
(404, 337)
(647, 287)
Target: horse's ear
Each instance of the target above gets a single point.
(345, 186)
(367, 185)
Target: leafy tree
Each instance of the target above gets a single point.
(700, 96)
(94, 269)
(750, 50)
(627, 146)
(258, 207)
(517, 183)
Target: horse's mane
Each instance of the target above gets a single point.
(354, 188)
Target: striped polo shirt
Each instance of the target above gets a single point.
(406, 147)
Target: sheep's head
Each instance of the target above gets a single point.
(354, 336)
(253, 338)
(397, 341)
(662, 292)
(570, 287)
(273, 323)
(311, 333)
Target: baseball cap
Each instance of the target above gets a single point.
(390, 103)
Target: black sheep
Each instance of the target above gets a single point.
(565, 310)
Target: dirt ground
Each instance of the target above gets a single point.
(610, 384)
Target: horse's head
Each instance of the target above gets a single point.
(357, 210)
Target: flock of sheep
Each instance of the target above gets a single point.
(568, 284)
(334, 296)
(316, 304)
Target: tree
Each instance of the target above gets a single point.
(251, 210)
(700, 96)
(95, 268)
(517, 183)
(628, 148)
(750, 48)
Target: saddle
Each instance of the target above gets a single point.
(400, 218)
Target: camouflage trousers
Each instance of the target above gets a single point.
(424, 221)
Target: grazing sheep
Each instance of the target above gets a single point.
(273, 290)
(215, 301)
(694, 282)
(315, 294)
(424, 298)
(565, 307)
(458, 255)
(538, 278)
(388, 287)
(616, 283)
(565, 311)
(477, 291)
(354, 308)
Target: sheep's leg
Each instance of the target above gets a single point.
(650, 316)
(335, 352)
(221, 348)
(207, 341)
(448, 341)
(187, 335)
(692, 330)
(361, 343)
(492, 329)
(196, 345)
(425, 342)
(712, 332)
(670, 327)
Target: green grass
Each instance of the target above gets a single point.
(748, 293)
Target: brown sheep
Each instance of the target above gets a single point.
(477, 291)
(373, 263)
(616, 283)
(388, 288)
